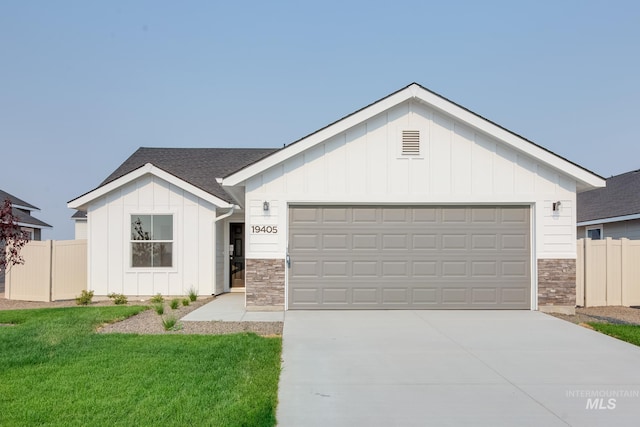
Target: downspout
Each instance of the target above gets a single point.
(213, 232)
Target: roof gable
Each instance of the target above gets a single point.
(621, 197)
(584, 178)
(192, 169)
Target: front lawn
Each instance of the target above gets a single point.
(55, 370)
(628, 333)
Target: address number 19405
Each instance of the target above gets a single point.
(264, 229)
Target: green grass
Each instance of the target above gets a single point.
(628, 333)
(56, 371)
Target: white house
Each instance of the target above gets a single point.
(411, 202)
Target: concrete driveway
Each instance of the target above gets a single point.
(472, 368)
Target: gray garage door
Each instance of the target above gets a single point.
(440, 257)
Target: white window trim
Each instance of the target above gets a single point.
(594, 227)
(128, 242)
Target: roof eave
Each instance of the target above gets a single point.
(83, 201)
(585, 179)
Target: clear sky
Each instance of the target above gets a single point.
(84, 84)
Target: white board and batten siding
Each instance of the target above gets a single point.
(457, 165)
(109, 222)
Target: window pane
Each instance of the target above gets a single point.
(162, 254)
(594, 234)
(141, 254)
(162, 227)
(141, 227)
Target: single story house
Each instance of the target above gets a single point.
(613, 211)
(412, 202)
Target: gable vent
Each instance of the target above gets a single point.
(410, 142)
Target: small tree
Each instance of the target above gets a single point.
(12, 237)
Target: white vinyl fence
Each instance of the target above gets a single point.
(608, 272)
(52, 271)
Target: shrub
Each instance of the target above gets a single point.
(185, 301)
(118, 299)
(174, 303)
(159, 308)
(84, 298)
(193, 294)
(157, 298)
(170, 323)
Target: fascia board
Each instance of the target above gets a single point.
(516, 142)
(608, 220)
(148, 168)
(415, 91)
(25, 224)
(26, 208)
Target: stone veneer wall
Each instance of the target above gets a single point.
(264, 283)
(556, 284)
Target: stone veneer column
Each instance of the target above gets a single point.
(264, 284)
(557, 285)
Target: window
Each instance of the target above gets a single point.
(151, 240)
(594, 233)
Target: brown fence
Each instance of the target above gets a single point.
(608, 272)
(53, 270)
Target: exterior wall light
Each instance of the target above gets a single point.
(556, 206)
(265, 206)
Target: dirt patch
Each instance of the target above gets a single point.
(150, 322)
(612, 314)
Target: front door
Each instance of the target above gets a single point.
(236, 255)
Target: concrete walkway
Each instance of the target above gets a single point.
(230, 308)
(471, 368)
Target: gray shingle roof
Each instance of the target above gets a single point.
(620, 197)
(15, 201)
(79, 215)
(198, 166)
(23, 216)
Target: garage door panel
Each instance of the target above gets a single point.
(454, 295)
(335, 215)
(484, 242)
(424, 242)
(390, 216)
(484, 216)
(335, 296)
(426, 296)
(365, 296)
(394, 242)
(484, 296)
(454, 215)
(395, 296)
(335, 269)
(514, 241)
(335, 241)
(410, 257)
(454, 242)
(364, 242)
(364, 216)
(304, 241)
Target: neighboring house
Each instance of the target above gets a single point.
(80, 221)
(31, 225)
(411, 202)
(613, 211)
(22, 211)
